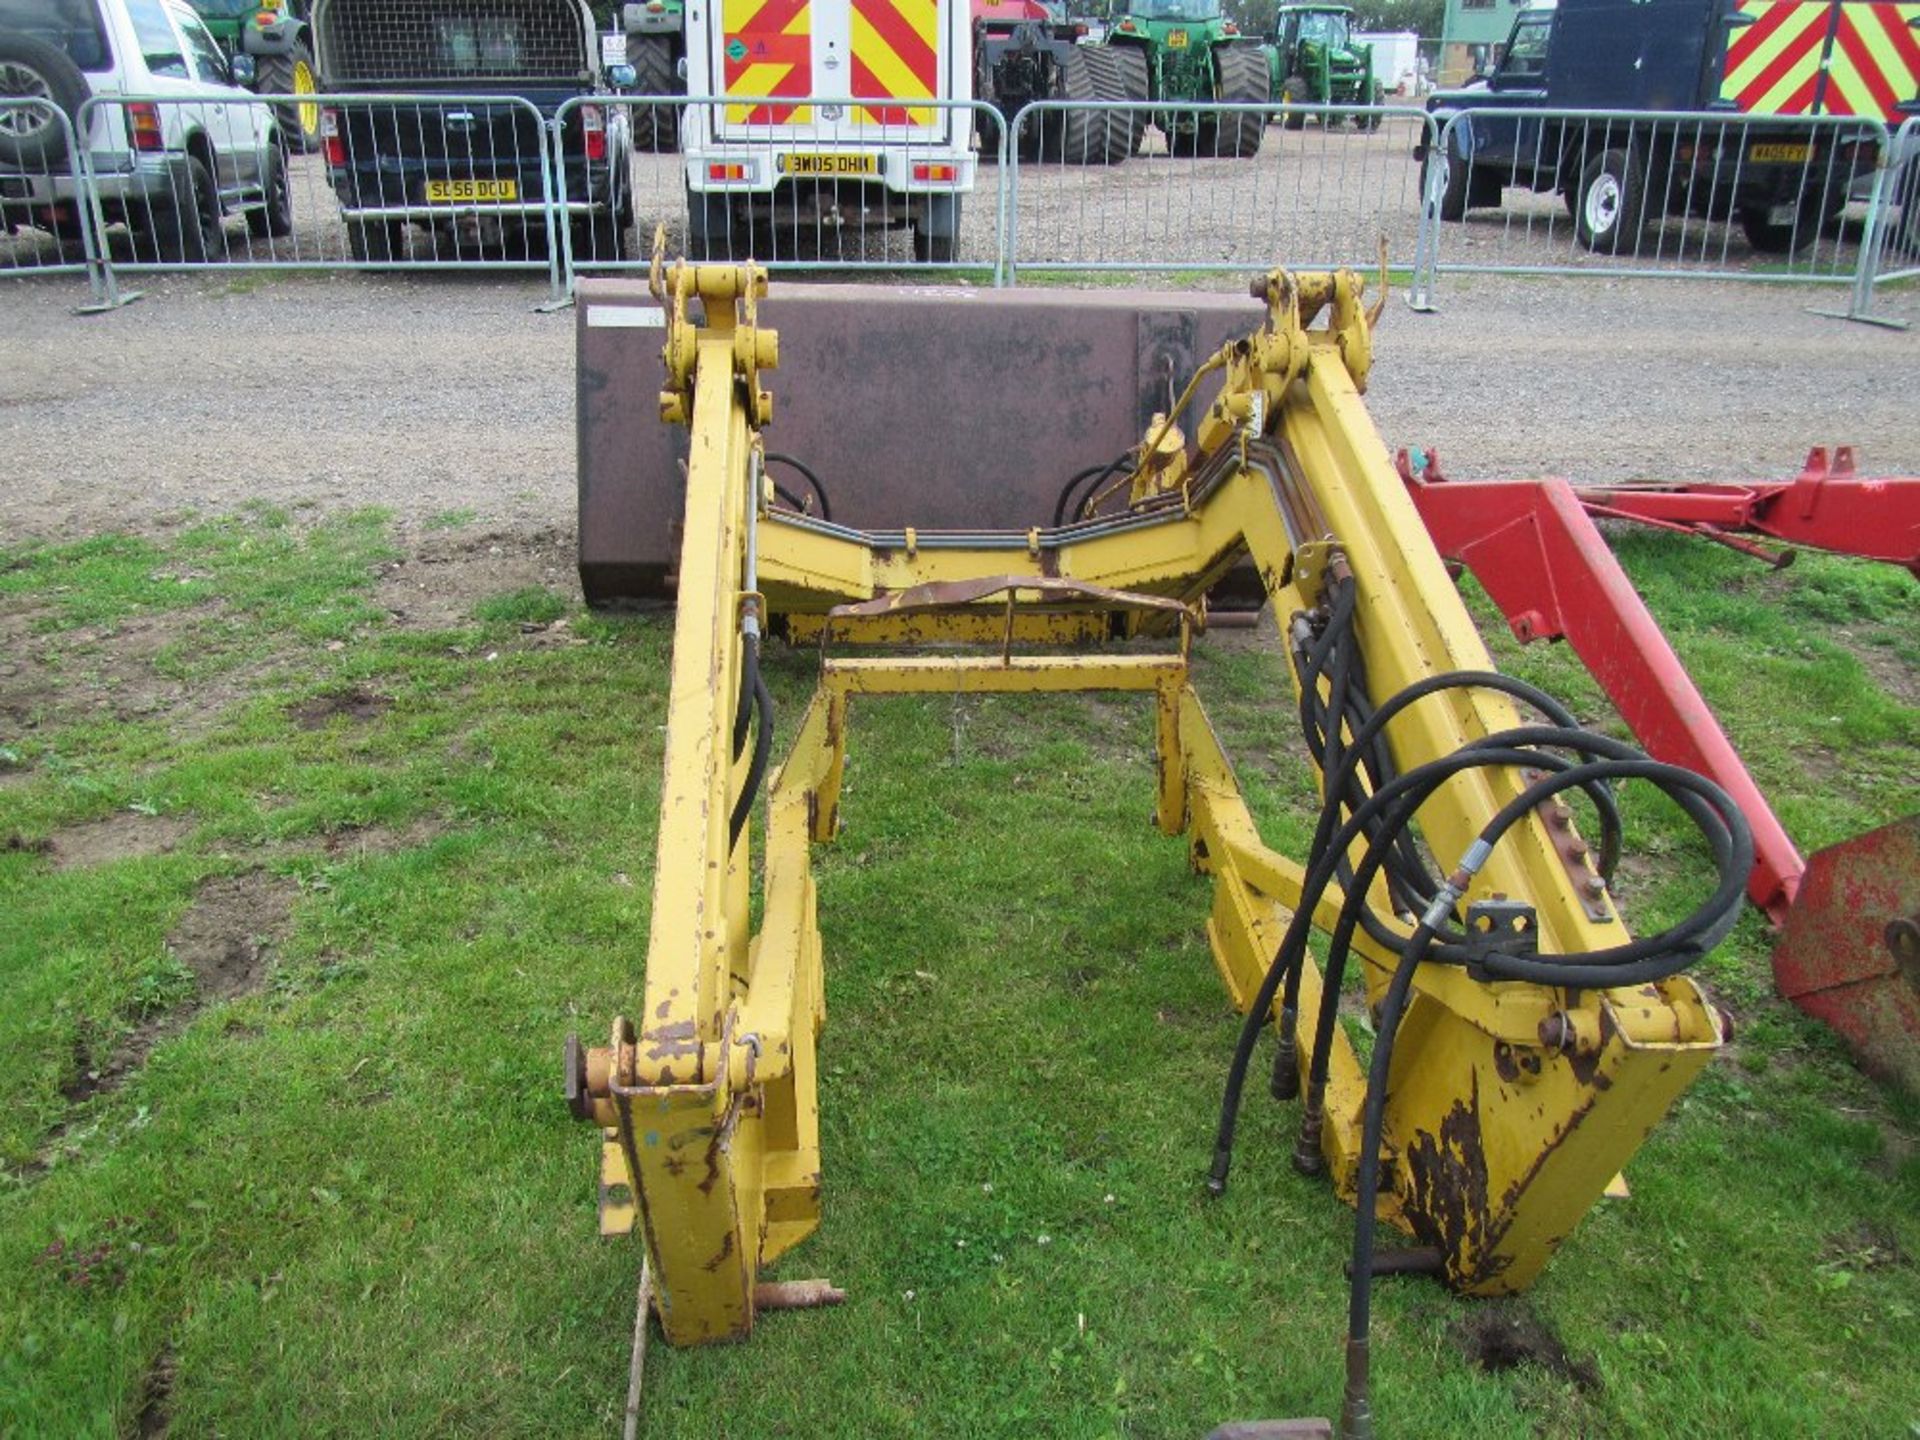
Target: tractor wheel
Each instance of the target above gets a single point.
(1378, 97)
(655, 127)
(1095, 137)
(292, 74)
(1138, 82)
(1294, 91)
(1240, 77)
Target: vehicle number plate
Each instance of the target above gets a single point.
(829, 165)
(472, 192)
(1176, 39)
(1779, 154)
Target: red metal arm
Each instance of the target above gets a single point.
(1537, 553)
(1826, 506)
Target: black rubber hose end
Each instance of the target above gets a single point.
(1307, 1158)
(1285, 1082)
(1217, 1177)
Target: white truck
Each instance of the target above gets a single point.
(806, 115)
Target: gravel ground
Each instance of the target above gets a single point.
(437, 393)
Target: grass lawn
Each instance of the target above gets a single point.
(300, 897)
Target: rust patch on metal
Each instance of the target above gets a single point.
(1447, 1196)
(726, 1254)
(673, 1042)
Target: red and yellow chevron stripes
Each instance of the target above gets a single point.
(1774, 65)
(1876, 61)
(767, 49)
(896, 56)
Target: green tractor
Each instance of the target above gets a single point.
(657, 50)
(1192, 53)
(274, 33)
(1313, 59)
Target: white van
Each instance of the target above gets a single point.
(843, 135)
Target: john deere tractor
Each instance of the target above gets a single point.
(1193, 54)
(274, 32)
(1313, 59)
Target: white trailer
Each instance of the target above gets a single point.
(809, 113)
(1396, 60)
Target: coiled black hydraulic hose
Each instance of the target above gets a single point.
(1366, 801)
(813, 480)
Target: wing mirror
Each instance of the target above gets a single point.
(240, 69)
(622, 76)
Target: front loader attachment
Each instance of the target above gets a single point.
(1524, 1042)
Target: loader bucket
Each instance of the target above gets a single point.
(1849, 950)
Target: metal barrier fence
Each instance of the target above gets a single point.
(1140, 186)
(1640, 194)
(933, 197)
(222, 187)
(435, 181)
(42, 204)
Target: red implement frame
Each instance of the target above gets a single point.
(1826, 506)
(1534, 547)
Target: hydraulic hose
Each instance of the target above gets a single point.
(1097, 474)
(774, 457)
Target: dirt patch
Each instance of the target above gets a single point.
(446, 574)
(357, 840)
(155, 1416)
(226, 937)
(122, 836)
(1866, 1246)
(358, 705)
(1499, 1336)
(21, 845)
(55, 677)
(1892, 674)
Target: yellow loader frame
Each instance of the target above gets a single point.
(1512, 1106)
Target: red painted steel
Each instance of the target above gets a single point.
(1536, 551)
(1826, 506)
(1849, 952)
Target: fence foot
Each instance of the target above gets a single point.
(551, 307)
(116, 301)
(1885, 322)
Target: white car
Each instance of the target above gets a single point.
(180, 148)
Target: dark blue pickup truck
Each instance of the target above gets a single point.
(1764, 64)
(471, 167)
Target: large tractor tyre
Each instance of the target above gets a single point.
(1771, 237)
(655, 127)
(31, 69)
(1294, 91)
(1094, 137)
(1240, 77)
(1137, 82)
(1612, 200)
(1376, 96)
(189, 230)
(292, 74)
(274, 219)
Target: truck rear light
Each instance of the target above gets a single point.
(593, 121)
(718, 171)
(331, 139)
(945, 174)
(143, 127)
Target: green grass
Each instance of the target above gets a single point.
(352, 1203)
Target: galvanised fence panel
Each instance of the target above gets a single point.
(1645, 194)
(399, 182)
(43, 207)
(1146, 186)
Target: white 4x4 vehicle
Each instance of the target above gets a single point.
(181, 148)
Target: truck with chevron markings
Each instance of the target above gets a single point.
(811, 117)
